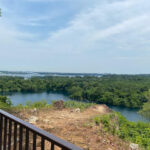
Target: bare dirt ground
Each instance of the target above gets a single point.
(75, 126)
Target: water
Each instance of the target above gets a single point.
(130, 113)
(22, 98)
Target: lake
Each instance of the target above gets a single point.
(22, 98)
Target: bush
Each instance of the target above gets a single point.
(5, 102)
(38, 104)
(136, 132)
(44, 104)
(145, 111)
(97, 120)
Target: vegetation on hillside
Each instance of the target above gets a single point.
(119, 90)
(5, 103)
(113, 123)
(44, 104)
(145, 111)
(31, 105)
(116, 124)
(80, 105)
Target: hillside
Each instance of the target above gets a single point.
(75, 126)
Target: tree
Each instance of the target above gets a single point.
(76, 93)
(145, 111)
(5, 102)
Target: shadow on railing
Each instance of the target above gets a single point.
(16, 134)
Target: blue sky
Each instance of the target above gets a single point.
(101, 36)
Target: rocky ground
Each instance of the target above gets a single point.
(75, 126)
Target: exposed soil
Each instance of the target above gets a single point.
(76, 127)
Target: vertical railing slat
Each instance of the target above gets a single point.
(15, 135)
(20, 137)
(34, 140)
(27, 140)
(1, 131)
(42, 143)
(52, 146)
(5, 134)
(10, 134)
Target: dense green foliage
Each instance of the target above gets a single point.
(116, 124)
(119, 90)
(145, 111)
(5, 103)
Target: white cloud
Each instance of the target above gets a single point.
(91, 29)
(121, 28)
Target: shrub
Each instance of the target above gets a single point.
(5, 102)
(136, 132)
(38, 104)
(97, 120)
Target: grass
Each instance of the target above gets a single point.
(44, 104)
(76, 104)
(31, 105)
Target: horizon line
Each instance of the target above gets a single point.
(75, 72)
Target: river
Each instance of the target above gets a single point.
(22, 98)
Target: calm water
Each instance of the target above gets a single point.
(22, 98)
(130, 113)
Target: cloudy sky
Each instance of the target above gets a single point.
(101, 36)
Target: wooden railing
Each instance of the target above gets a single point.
(16, 134)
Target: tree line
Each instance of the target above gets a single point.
(118, 90)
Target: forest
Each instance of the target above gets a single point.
(119, 90)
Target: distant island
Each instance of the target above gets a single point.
(29, 74)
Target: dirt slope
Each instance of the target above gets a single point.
(76, 127)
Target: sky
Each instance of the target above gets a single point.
(87, 36)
